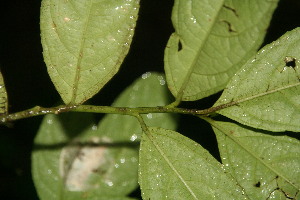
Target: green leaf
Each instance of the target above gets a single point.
(71, 160)
(212, 40)
(62, 139)
(148, 90)
(84, 43)
(265, 94)
(3, 96)
(265, 165)
(174, 167)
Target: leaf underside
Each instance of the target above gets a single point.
(69, 146)
(212, 40)
(174, 167)
(265, 165)
(265, 93)
(84, 43)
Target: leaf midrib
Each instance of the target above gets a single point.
(238, 101)
(235, 140)
(172, 166)
(80, 55)
(192, 66)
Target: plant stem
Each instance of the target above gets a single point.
(36, 111)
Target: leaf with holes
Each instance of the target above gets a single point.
(84, 43)
(265, 93)
(265, 165)
(212, 40)
(174, 167)
(3, 96)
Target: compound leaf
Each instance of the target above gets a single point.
(74, 158)
(212, 40)
(174, 167)
(84, 43)
(265, 93)
(264, 164)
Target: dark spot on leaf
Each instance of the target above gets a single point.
(257, 184)
(95, 170)
(231, 9)
(179, 46)
(230, 29)
(290, 61)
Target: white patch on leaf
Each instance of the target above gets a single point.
(78, 163)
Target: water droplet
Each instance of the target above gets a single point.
(162, 82)
(94, 127)
(146, 75)
(194, 20)
(109, 183)
(133, 137)
(149, 115)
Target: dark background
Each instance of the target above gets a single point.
(28, 83)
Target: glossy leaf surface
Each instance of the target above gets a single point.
(3, 96)
(84, 43)
(265, 93)
(175, 167)
(265, 165)
(212, 40)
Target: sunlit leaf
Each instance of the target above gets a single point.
(174, 167)
(265, 94)
(3, 96)
(265, 165)
(212, 40)
(84, 43)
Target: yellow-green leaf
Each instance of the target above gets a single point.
(73, 158)
(265, 165)
(174, 167)
(265, 93)
(212, 40)
(84, 43)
